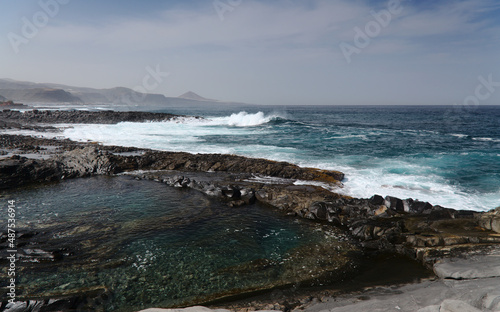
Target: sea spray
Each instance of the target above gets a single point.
(398, 151)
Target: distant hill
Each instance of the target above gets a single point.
(50, 93)
(2, 99)
(190, 95)
(43, 95)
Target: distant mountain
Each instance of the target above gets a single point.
(50, 93)
(14, 84)
(42, 95)
(2, 99)
(193, 96)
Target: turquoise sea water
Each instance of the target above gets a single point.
(150, 245)
(442, 154)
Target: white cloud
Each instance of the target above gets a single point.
(250, 23)
(265, 26)
(284, 46)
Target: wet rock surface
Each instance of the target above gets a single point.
(422, 231)
(418, 230)
(85, 300)
(42, 248)
(73, 160)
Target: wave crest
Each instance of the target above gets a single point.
(244, 119)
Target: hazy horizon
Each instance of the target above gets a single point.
(280, 53)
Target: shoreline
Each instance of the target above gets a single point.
(417, 230)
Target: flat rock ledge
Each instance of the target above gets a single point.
(82, 160)
(464, 284)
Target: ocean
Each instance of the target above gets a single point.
(449, 156)
(149, 245)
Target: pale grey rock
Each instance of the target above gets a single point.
(456, 306)
(486, 266)
(475, 287)
(491, 301)
(432, 308)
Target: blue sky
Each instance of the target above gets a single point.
(262, 52)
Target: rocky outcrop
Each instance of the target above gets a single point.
(85, 162)
(87, 300)
(417, 229)
(17, 171)
(490, 220)
(79, 160)
(411, 227)
(101, 117)
(155, 160)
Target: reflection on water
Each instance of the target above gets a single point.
(146, 244)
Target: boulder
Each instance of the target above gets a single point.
(438, 213)
(377, 200)
(490, 220)
(394, 203)
(231, 192)
(319, 210)
(415, 206)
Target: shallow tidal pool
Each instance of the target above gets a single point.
(142, 244)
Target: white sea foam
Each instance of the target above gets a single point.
(350, 136)
(486, 139)
(183, 134)
(268, 180)
(365, 175)
(244, 119)
(459, 135)
(417, 183)
(326, 186)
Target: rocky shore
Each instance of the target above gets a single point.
(417, 230)
(31, 117)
